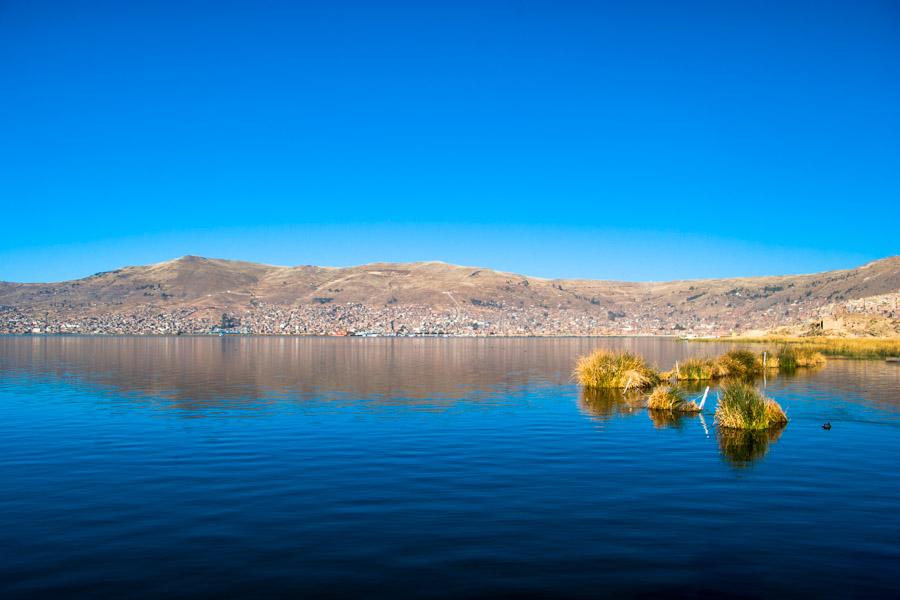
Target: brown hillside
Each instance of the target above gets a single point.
(214, 285)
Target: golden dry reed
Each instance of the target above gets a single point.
(742, 406)
(744, 364)
(846, 347)
(697, 369)
(670, 398)
(610, 369)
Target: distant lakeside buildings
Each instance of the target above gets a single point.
(416, 320)
(196, 295)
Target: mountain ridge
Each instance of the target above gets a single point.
(187, 258)
(199, 292)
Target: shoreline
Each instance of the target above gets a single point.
(325, 336)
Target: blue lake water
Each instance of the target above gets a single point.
(236, 467)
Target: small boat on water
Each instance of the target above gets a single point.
(893, 359)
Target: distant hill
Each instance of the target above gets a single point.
(194, 294)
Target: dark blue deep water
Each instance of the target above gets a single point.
(248, 467)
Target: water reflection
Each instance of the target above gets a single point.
(665, 419)
(742, 448)
(205, 371)
(202, 376)
(603, 404)
(527, 484)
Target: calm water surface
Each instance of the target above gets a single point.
(428, 468)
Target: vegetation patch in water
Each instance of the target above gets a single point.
(697, 369)
(672, 399)
(768, 361)
(736, 363)
(793, 357)
(609, 369)
(744, 364)
(739, 363)
(742, 406)
(846, 347)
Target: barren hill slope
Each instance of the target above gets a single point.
(199, 289)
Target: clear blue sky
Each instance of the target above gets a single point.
(612, 140)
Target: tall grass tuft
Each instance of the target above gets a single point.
(697, 369)
(809, 357)
(768, 361)
(608, 369)
(792, 357)
(739, 364)
(672, 399)
(744, 364)
(787, 358)
(742, 406)
(829, 346)
(736, 363)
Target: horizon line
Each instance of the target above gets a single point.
(441, 262)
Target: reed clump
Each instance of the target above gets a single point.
(873, 348)
(743, 364)
(854, 348)
(739, 364)
(793, 357)
(609, 369)
(742, 406)
(671, 399)
(736, 363)
(768, 361)
(697, 369)
(808, 357)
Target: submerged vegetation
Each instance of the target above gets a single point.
(742, 406)
(671, 399)
(609, 369)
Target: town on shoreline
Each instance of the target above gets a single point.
(350, 319)
(354, 319)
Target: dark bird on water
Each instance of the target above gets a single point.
(826, 426)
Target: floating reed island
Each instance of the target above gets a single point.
(742, 406)
(604, 369)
